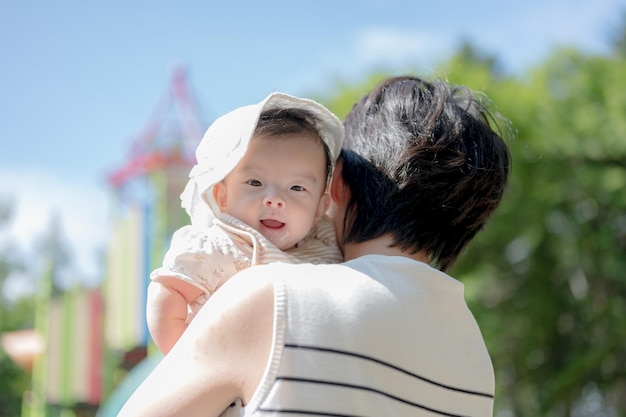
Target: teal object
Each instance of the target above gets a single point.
(112, 406)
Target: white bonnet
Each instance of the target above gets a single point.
(226, 141)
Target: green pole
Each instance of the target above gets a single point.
(35, 406)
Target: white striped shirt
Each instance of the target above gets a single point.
(376, 336)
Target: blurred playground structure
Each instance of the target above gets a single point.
(91, 347)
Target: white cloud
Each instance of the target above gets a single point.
(525, 34)
(384, 45)
(520, 35)
(81, 207)
(375, 49)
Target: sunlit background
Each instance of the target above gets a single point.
(81, 81)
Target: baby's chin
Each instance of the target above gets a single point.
(282, 244)
(275, 232)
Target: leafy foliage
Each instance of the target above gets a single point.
(545, 277)
(13, 316)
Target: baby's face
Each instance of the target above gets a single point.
(278, 187)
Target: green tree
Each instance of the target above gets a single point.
(545, 277)
(14, 315)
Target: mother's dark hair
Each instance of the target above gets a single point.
(426, 163)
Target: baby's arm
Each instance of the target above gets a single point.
(198, 262)
(166, 311)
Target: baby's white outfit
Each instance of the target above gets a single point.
(206, 257)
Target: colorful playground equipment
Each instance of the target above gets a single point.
(91, 346)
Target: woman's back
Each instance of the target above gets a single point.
(390, 336)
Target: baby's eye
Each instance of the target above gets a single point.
(254, 183)
(297, 188)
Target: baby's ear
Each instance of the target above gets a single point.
(219, 195)
(323, 206)
(338, 189)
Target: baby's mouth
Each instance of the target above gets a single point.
(272, 224)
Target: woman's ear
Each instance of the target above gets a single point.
(219, 195)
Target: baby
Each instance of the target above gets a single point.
(257, 194)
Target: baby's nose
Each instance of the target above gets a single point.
(274, 200)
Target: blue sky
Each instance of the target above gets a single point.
(79, 79)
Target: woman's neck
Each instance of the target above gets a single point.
(380, 246)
